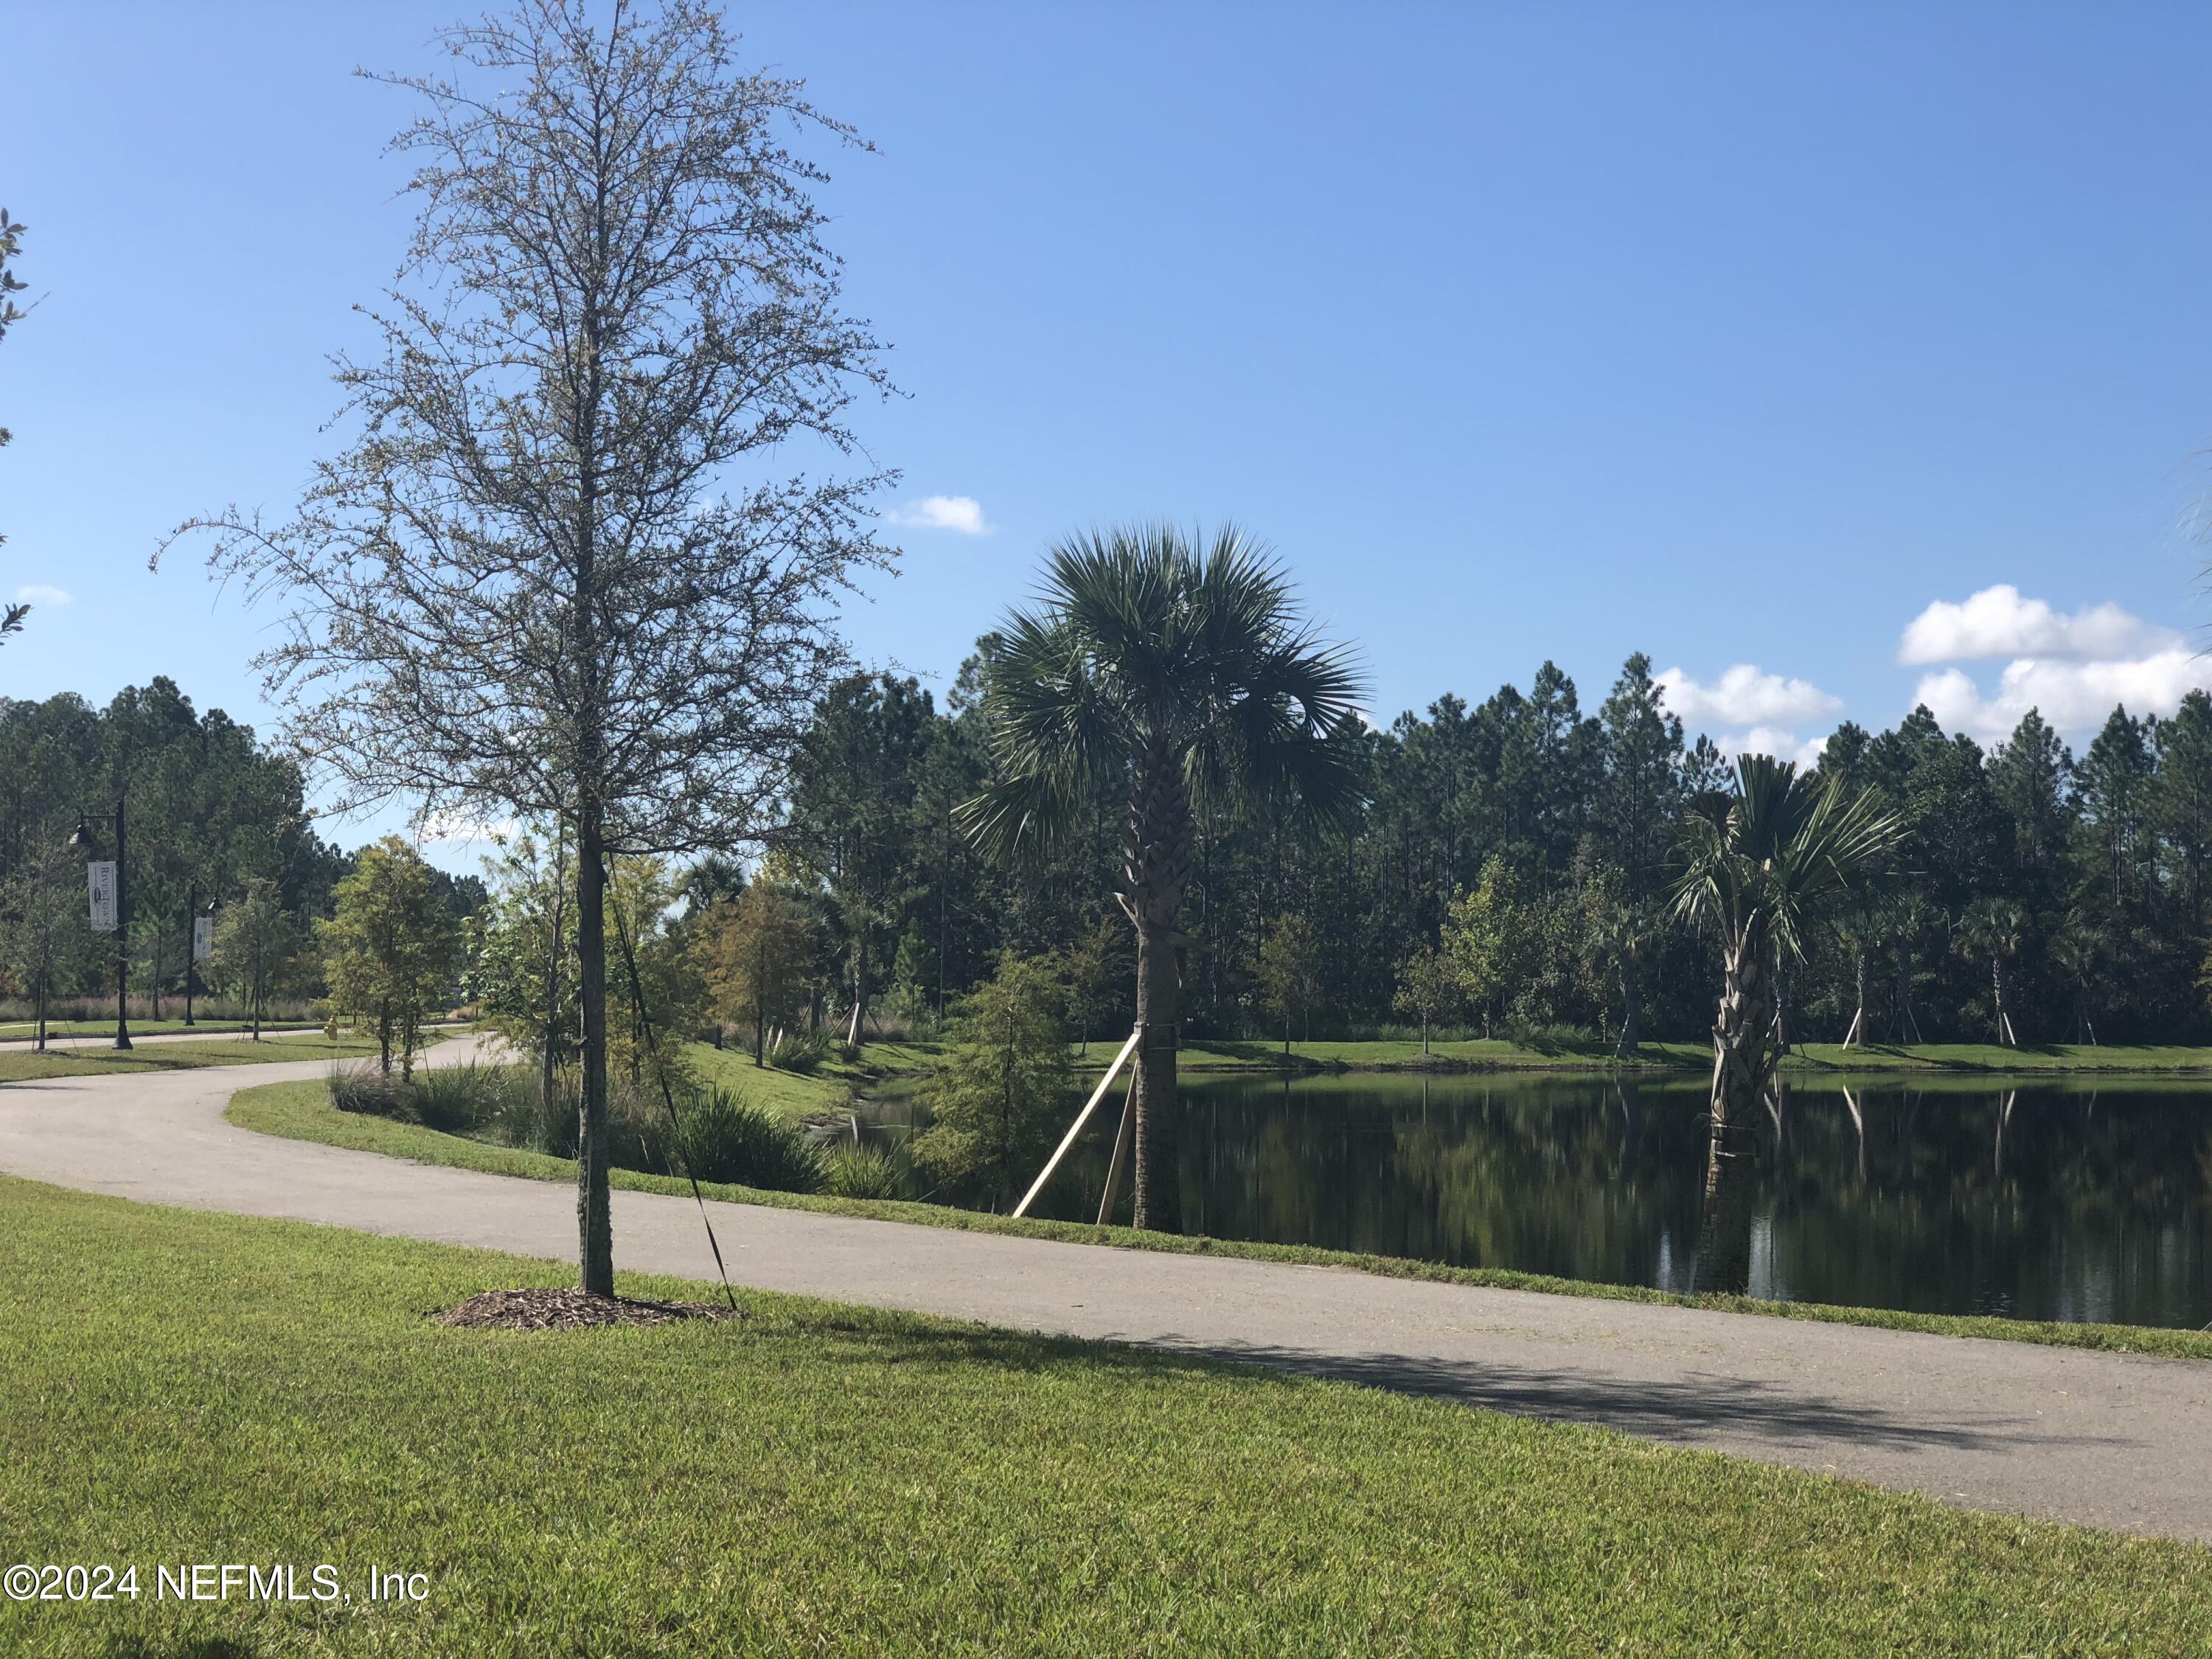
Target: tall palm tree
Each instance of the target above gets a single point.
(1764, 864)
(1192, 679)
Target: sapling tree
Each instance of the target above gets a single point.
(1289, 970)
(996, 1094)
(565, 569)
(42, 921)
(254, 944)
(391, 949)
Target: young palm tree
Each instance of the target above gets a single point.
(1191, 678)
(1765, 864)
(1992, 929)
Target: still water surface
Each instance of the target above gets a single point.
(2040, 1203)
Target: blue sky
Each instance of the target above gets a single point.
(1738, 336)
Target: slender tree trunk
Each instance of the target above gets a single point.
(1630, 996)
(1743, 1063)
(594, 1221)
(1997, 995)
(760, 1001)
(550, 1058)
(1865, 986)
(42, 1013)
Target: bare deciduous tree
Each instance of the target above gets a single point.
(552, 574)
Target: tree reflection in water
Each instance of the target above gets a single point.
(2034, 1202)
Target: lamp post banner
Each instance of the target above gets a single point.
(203, 937)
(101, 873)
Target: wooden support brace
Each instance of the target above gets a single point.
(1081, 1118)
(1122, 1139)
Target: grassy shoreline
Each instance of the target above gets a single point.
(826, 1479)
(1677, 1059)
(302, 1111)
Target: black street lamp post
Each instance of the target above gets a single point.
(85, 839)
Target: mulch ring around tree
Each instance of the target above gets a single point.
(544, 1308)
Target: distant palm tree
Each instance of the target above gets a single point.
(1764, 864)
(1192, 680)
(1992, 929)
(2078, 951)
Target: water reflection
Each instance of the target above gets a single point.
(2036, 1202)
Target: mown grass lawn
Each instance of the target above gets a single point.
(27, 1065)
(302, 1111)
(187, 1388)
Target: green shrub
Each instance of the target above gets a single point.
(861, 1172)
(726, 1138)
(804, 1055)
(458, 1100)
(363, 1089)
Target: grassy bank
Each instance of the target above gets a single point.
(20, 1031)
(302, 1111)
(25, 1066)
(830, 1480)
(1499, 1055)
(795, 1094)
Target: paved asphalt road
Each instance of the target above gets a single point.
(2106, 1440)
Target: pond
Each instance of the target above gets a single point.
(2041, 1202)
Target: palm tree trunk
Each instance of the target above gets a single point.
(1156, 862)
(1866, 993)
(1743, 1063)
(1158, 1191)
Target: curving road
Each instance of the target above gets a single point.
(2106, 1440)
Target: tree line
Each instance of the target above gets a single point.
(1505, 866)
(218, 830)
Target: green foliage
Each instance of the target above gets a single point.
(866, 1172)
(1290, 971)
(392, 948)
(1429, 989)
(1147, 644)
(726, 1138)
(1491, 939)
(256, 947)
(522, 977)
(994, 1096)
(755, 954)
(1764, 864)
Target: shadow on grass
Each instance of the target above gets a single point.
(1697, 1412)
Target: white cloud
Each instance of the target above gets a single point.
(963, 514)
(1998, 622)
(1745, 696)
(36, 593)
(1770, 740)
(2074, 696)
